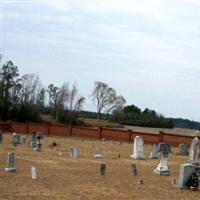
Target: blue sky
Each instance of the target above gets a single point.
(149, 51)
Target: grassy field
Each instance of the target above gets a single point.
(64, 178)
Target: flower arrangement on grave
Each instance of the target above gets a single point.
(193, 182)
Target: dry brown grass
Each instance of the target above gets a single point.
(64, 178)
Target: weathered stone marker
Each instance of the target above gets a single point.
(16, 139)
(33, 173)
(138, 147)
(38, 146)
(10, 162)
(162, 168)
(98, 154)
(154, 151)
(194, 152)
(33, 139)
(185, 173)
(102, 169)
(183, 149)
(133, 169)
(73, 153)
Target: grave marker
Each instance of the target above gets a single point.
(194, 152)
(10, 162)
(162, 168)
(102, 169)
(138, 147)
(154, 151)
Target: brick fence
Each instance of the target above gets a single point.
(96, 133)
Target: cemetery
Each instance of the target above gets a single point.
(80, 168)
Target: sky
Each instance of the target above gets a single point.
(148, 51)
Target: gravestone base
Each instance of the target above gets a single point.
(97, 156)
(196, 164)
(153, 158)
(10, 169)
(161, 173)
(137, 157)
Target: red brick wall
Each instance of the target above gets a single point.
(59, 130)
(147, 137)
(43, 127)
(108, 134)
(85, 132)
(18, 127)
(111, 134)
(4, 126)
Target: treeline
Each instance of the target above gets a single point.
(185, 123)
(23, 97)
(132, 115)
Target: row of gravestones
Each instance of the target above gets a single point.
(186, 170)
(162, 169)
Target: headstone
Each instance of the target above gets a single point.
(183, 149)
(1, 136)
(10, 162)
(33, 139)
(154, 151)
(73, 153)
(98, 154)
(16, 139)
(38, 146)
(162, 168)
(185, 173)
(33, 173)
(102, 169)
(133, 169)
(138, 147)
(194, 152)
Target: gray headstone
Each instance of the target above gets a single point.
(185, 173)
(10, 162)
(98, 154)
(194, 152)
(133, 169)
(73, 153)
(38, 146)
(1, 136)
(102, 169)
(138, 148)
(16, 139)
(183, 149)
(162, 168)
(33, 139)
(154, 152)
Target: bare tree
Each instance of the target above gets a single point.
(75, 100)
(30, 85)
(104, 97)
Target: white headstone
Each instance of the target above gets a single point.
(154, 151)
(10, 162)
(33, 173)
(98, 154)
(138, 148)
(194, 152)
